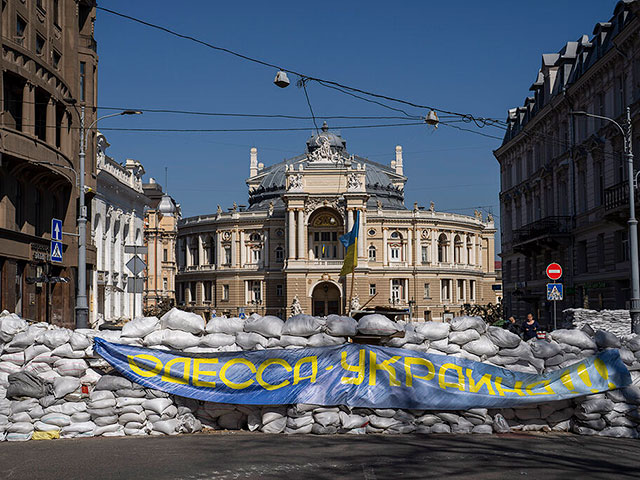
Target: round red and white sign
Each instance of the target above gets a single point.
(554, 271)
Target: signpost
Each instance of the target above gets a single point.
(554, 290)
(135, 266)
(55, 250)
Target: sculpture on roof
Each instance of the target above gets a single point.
(432, 207)
(353, 182)
(355, 302)
(295, 182)
(219, 210)
(489, 218)
(271, 208)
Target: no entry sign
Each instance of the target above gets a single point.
(554, 271)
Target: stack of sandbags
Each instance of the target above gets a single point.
(613, 321)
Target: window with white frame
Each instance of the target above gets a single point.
(225, 292)
(460, 289)
(427, 290)
(256, 255)
(425, 254)
(443, 244)
(372, 289)
(372, 253)
(165, 285)
(395, 247)
(254, 291)
(457, 249)
(398, 290)
(470, 249)
(279, 254)
(445, 290)
(472, 290)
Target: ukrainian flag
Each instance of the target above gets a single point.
(350, 242)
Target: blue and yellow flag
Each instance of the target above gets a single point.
(350, 242)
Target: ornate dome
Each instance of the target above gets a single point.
(335, 141)
(166, 206)
(378, 181)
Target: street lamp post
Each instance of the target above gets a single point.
(82, 308)
(632, 222)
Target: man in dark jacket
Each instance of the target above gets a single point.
(529, 328)
(512, 325)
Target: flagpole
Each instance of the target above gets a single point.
(353, 277)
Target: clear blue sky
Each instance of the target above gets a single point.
(467, 56)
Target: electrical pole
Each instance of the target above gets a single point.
(82, 309)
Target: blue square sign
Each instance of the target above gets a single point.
(554, 292)
(56, 229)
(56, 251)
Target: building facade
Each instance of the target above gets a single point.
(564, 182)
(118, 222)
(48, 57)
(283, 250)
(160, 237)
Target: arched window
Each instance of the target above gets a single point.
(457, 249)
(396, 235)
(372, 253)
(255, 237)
(443, 243)
(279, 254)
(469, 250)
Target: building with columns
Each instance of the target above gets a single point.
(117, 209)
(564, 183)
(284, 246)
(48, 57)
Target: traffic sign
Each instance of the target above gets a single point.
(56, 229)
(135, 285)
(137, 249)
(56, 251)
(554, 292)
(554, 271)
(136, 265)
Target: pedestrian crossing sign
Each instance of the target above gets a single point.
(554, 292)
(56, 251)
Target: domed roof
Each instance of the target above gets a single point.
(335, 141)
(378, 178)
(166, 206)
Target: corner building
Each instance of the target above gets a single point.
(285, 244)
(564, 193)
(48, 72)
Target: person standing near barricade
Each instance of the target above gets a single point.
(529, 328)
(512, 325)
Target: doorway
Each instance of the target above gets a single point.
(326, 299)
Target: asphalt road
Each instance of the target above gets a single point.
(370, 457)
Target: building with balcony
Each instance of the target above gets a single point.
(48, 57)
(564, 185)
(283, 247)
(118, 209)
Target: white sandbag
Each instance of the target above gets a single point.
(299, 422)
(20, 427)
(168, 427)
(106, 421)
(157, 405)
(544, 348)
(576, 338)
(503, 338)
(140, 327)
(9, 367)
(10, 326)
(288, 340)
(59, 419)
(125, 418)
(217, 340)
(54, 338)
(78, 427)
(65, 385)
(267, 326)
(376, 324)
(65, 351)
(230, 326)
(302, 325)
(324, 340)
(18, 437)
(80, 417)
(275, 426)
(101, 430)
(179, 339)
(33, 351)
(154, 338)
(249, 341)
(327, 418)
(79, 341)
(70, 367)
(464, 336)
(482, 346)
(40, 426)
(20, 417)
(382, 422)
(23, 340)
(189, 322)
(113, 382)
(112, 336)
(466, 322)
(17, 358)
(341, 326)
(90, 377)
(170, 412)
(352, 421)
(104, 403)
(433, 330)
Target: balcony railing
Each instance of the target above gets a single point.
(617, 196)
(548, 226)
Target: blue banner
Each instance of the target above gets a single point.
(358, 376)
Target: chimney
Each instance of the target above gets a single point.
(253, 165)
(398, 163)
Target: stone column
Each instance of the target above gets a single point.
(28, 108)
(265, 252)
(50, 130)
(234, 249)
(434, 246)
(200, 250)
(301, 229)
(218, 250)
(243, 250)
(409, 248)
(385, 260)
(416, 233)
(291, 254)
(463, 254)
(362, 236)
(451, 248)
(349, 220)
